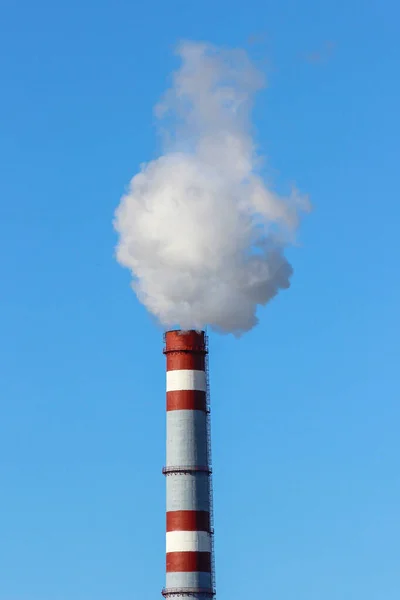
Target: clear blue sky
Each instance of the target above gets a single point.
(306, 406)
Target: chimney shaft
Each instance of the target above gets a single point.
(189, 547)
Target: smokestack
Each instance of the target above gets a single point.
(189, 539)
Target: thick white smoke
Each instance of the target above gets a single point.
(200, 231)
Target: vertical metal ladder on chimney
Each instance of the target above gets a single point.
(209, 460)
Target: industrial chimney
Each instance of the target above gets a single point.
(189, 547)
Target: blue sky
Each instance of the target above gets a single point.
(305, 407)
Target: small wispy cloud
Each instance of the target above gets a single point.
(321, 55)
(257, 38)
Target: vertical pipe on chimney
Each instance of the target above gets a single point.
(189, 546)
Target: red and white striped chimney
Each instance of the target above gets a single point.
(189, 539)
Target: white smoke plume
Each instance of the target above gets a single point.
(201, 233)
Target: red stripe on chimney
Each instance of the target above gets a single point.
(185, 360)
(188, 520)
(188, 562)
(186, 400)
